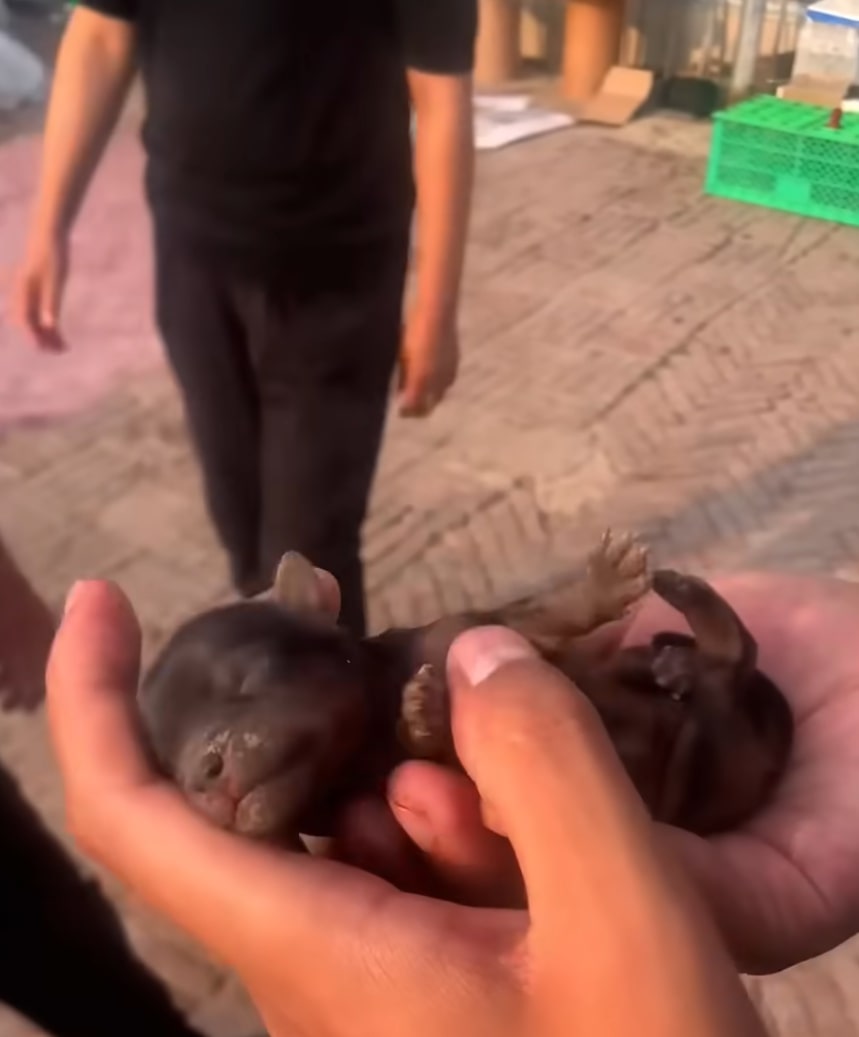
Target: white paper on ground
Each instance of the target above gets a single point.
(502, 119)
(501, 102)
(22, 75)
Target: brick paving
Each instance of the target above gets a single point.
(634, 353)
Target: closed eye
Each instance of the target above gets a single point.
(268, 673)
(254, 677)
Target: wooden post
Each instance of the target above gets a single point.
(498, 40)
(592, 35)
(533, 36)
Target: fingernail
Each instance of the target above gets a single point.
(416, 825)
(479, 653)
(73, 594)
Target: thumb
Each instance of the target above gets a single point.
(548, 777)
(91, 684)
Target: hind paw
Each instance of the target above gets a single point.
(618, 574)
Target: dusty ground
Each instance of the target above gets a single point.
(633, 352)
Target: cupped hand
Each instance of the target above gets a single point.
(785, 887)
(328, 949)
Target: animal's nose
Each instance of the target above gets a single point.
(236, 761)
(207, 769)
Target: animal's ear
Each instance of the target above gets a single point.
(297, 587)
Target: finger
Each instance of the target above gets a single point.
(549, 777)
(441, 813)
(25, 309)
(412, 407)
(420, 409)
(430, 840)
(92, 676)
(369, 837)
(50, 301)
(29, 316)
(413, 393)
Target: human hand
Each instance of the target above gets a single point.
(429, 360)
(783, 888)
(324, 948)
(37, 294)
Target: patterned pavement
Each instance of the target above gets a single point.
(634, 353)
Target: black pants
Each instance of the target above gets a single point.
(65, 963)
(286, 378)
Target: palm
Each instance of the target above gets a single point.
(783, 888)
(786, 886)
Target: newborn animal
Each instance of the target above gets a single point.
(269, 716)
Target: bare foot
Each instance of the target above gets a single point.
(26, 632)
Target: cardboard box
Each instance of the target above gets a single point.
(829, 93)
(622, 93)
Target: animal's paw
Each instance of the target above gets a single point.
(618, 574)
(424, 726)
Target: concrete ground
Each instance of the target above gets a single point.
(634, 354)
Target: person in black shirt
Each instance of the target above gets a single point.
(282, 181)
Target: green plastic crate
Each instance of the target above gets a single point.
(781, 154)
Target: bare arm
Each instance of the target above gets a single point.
(95, 67)
(444, 171)
(438, 44)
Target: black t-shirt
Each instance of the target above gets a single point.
(282, 126)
